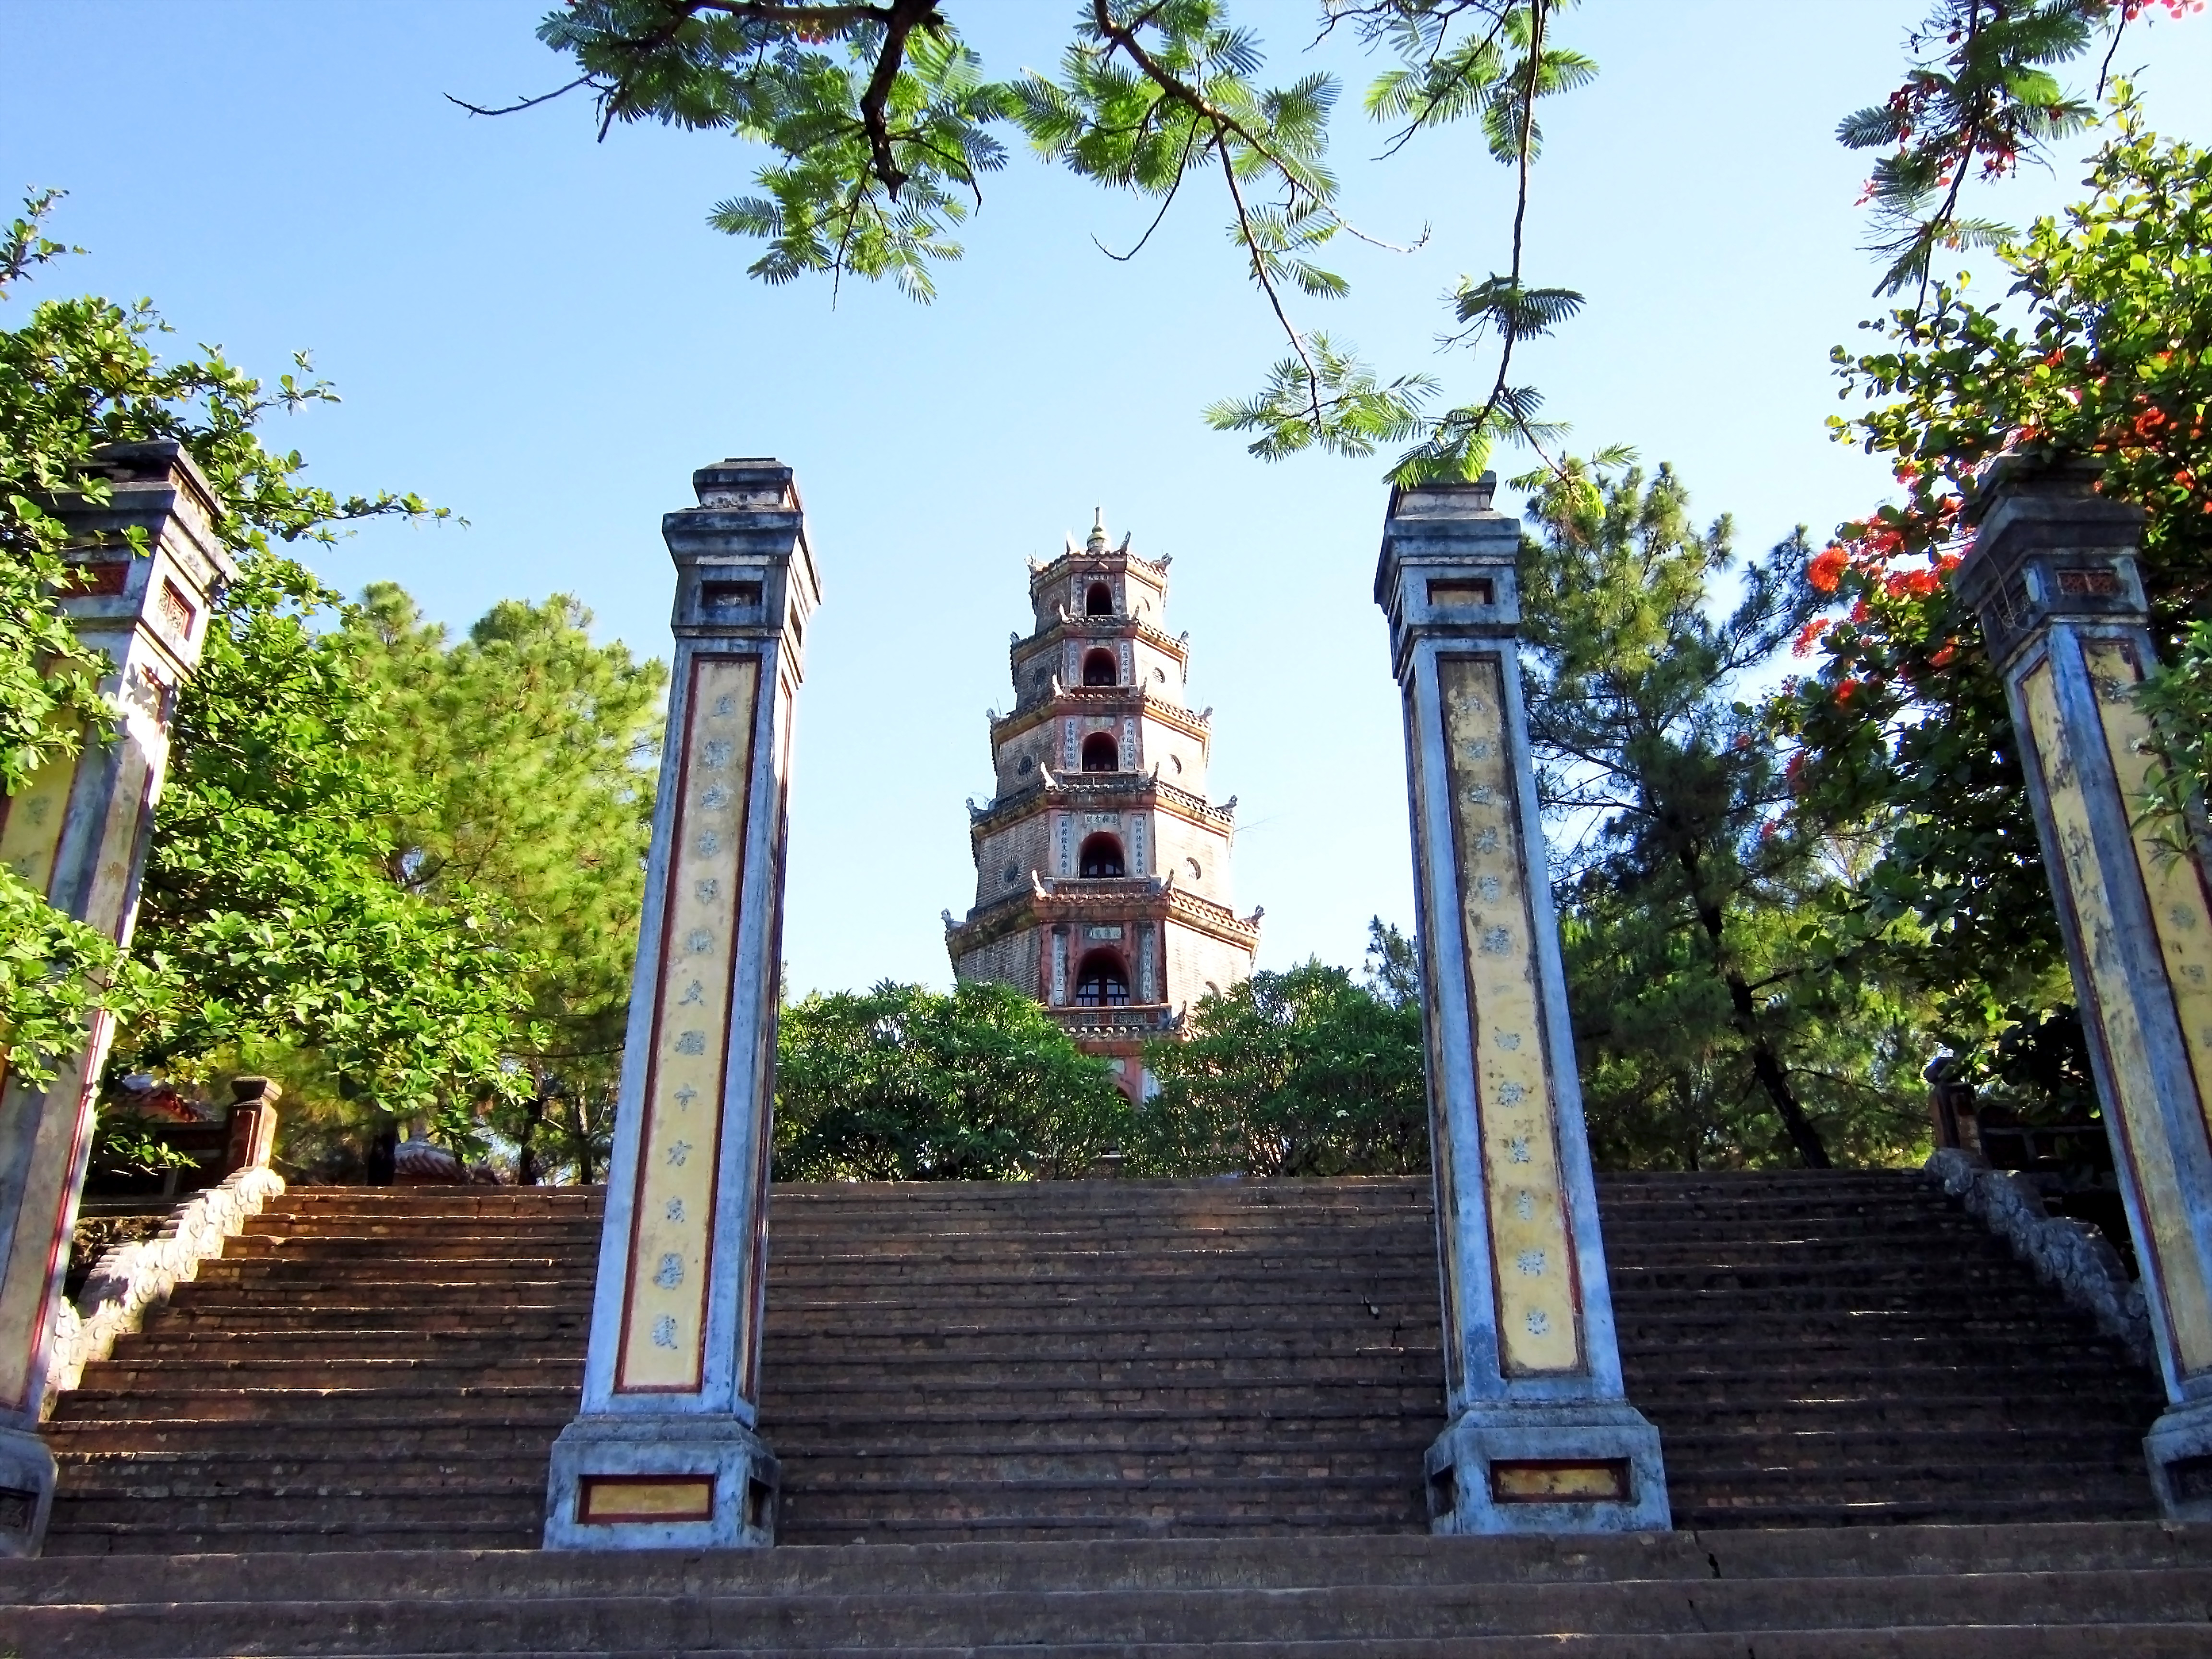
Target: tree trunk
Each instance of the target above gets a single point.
(1765, 1064)
(586, 1172)
(525, 1154)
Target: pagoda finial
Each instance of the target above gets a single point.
(1098, 542)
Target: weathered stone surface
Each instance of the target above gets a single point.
(2112, 1591)
(2075, 1257)
(129, 1281)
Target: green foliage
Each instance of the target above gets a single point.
(1979, 96)
(905, 1084)
(527, 750)
(269, 899)
(879, 123)
(878, 116)
(55, 975)
(1693, 989)
(2098, 350)
(1357, 412)
(125, 1144)
(1306, 1073)
(77, 374)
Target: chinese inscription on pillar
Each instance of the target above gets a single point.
(664, 1326)
(1531, 1247)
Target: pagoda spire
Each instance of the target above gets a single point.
(1102, 865)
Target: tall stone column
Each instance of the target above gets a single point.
(664, 1453)
(1541, 1438)
(2052, 576)
(79, 832)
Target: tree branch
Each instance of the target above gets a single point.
(584, 79)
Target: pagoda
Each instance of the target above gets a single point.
(1101, 868)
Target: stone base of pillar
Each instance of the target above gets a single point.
(2179, 1449)
(650, 1483)
(1523, 1469)
(27, 1492)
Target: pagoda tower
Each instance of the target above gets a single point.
(1102, 869)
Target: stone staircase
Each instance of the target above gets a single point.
(1848, 1348)
(385, 1368)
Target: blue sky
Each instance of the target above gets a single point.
(541, 333)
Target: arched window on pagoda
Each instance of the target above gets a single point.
(1099, 668)
(1102, 980)
(1099, 601)
(1100, 855)
(1100, 753)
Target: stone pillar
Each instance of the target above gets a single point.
(251, 1124)
(665, 1454)
(1541, 1438)
(2052, 576)
(79, 831)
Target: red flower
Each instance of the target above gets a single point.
(1806, 635)
(1825, 569)
(1844, 687)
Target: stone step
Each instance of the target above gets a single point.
(2028, 1412)
(322, 1406)
(2028, 1307)
(1934, 1554)
(1762, 1450)
(1150, 1622)
(212, 1374)
(1844, 1257)
(194, 1318)
(283, 1251)
(263, 1474)
(2047, 1475)
(491, 1506)
(1777, 1355)
(1273, 1366)
(536, 1279)
(87, 1442)
(334, 1534)
(1121, 1340)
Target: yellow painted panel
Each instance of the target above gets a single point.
(107, 901)
(2166, 1213)
(1544, 1482)
(672, 1226)
(31, 831)
(2172, 882)
(1532, 1250)
(682, 1498)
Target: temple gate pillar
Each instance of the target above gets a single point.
(664, 1453)
(2052, 576)
(79, 832)
(1541, 1438)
